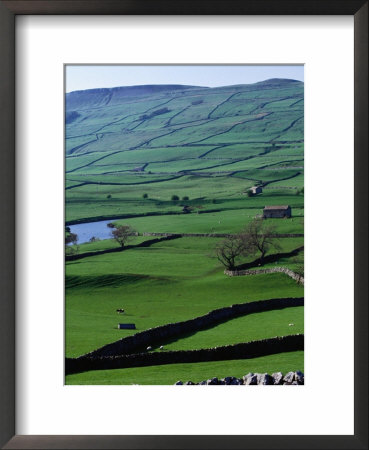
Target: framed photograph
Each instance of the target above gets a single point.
(184, 203)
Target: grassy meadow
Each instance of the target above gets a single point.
(128, 152)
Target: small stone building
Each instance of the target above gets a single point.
(256, 190)
(276, 212)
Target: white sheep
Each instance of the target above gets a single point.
(149, 348)
(161, 347)
(291, 324)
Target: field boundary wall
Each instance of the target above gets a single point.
(158, 335)
(217, 235)
(119, 249)
(246, 350)
(290, 273)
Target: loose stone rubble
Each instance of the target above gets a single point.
(290, 378)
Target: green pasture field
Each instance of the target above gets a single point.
(107, 244)
(147, 155)
(167, 282)
(90, 200)
(230, 221)
(243, 329)
(297, 182)
(75, 162)
(210, 145)
(171, 373)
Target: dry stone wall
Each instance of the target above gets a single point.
(290, 273)
(216, 235)
(158, 335)
(147, 243)
(237, 351)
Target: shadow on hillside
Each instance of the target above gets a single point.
(269, 259)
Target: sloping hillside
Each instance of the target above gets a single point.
(127, 136)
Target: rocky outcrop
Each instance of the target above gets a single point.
(291, 378)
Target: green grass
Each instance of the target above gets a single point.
(171, 373)
(167, 282)
(227, 139)
(231, 221)
(243, 329)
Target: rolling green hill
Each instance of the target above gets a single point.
(130, 140)
(129, 150)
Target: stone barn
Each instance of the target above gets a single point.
(276, 212)
(256, 190)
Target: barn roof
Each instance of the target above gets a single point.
(277, 207)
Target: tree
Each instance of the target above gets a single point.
(145, 196)
(71, 240)
(228, 250)
(175, 197)
(185, 198)
(122, 234)
(259, 237)
(299, 270)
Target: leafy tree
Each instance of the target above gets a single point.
(71, 246)
(122, 234)
(108, 196)
(299, 270)
(175, 197)
(145, 195)
(185, 198)
(71, 238)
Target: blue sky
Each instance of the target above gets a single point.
(80, 77)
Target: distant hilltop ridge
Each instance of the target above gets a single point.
(99, 97)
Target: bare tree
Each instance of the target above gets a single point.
(122, 234)
(228, 250)
(259, 237)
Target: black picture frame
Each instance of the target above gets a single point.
(8, 12)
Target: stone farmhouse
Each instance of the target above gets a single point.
(276, 212)
(256, 189)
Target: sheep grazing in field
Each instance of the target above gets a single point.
(161, 347)
(120, 311)
(291, 324)
(149, 348)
